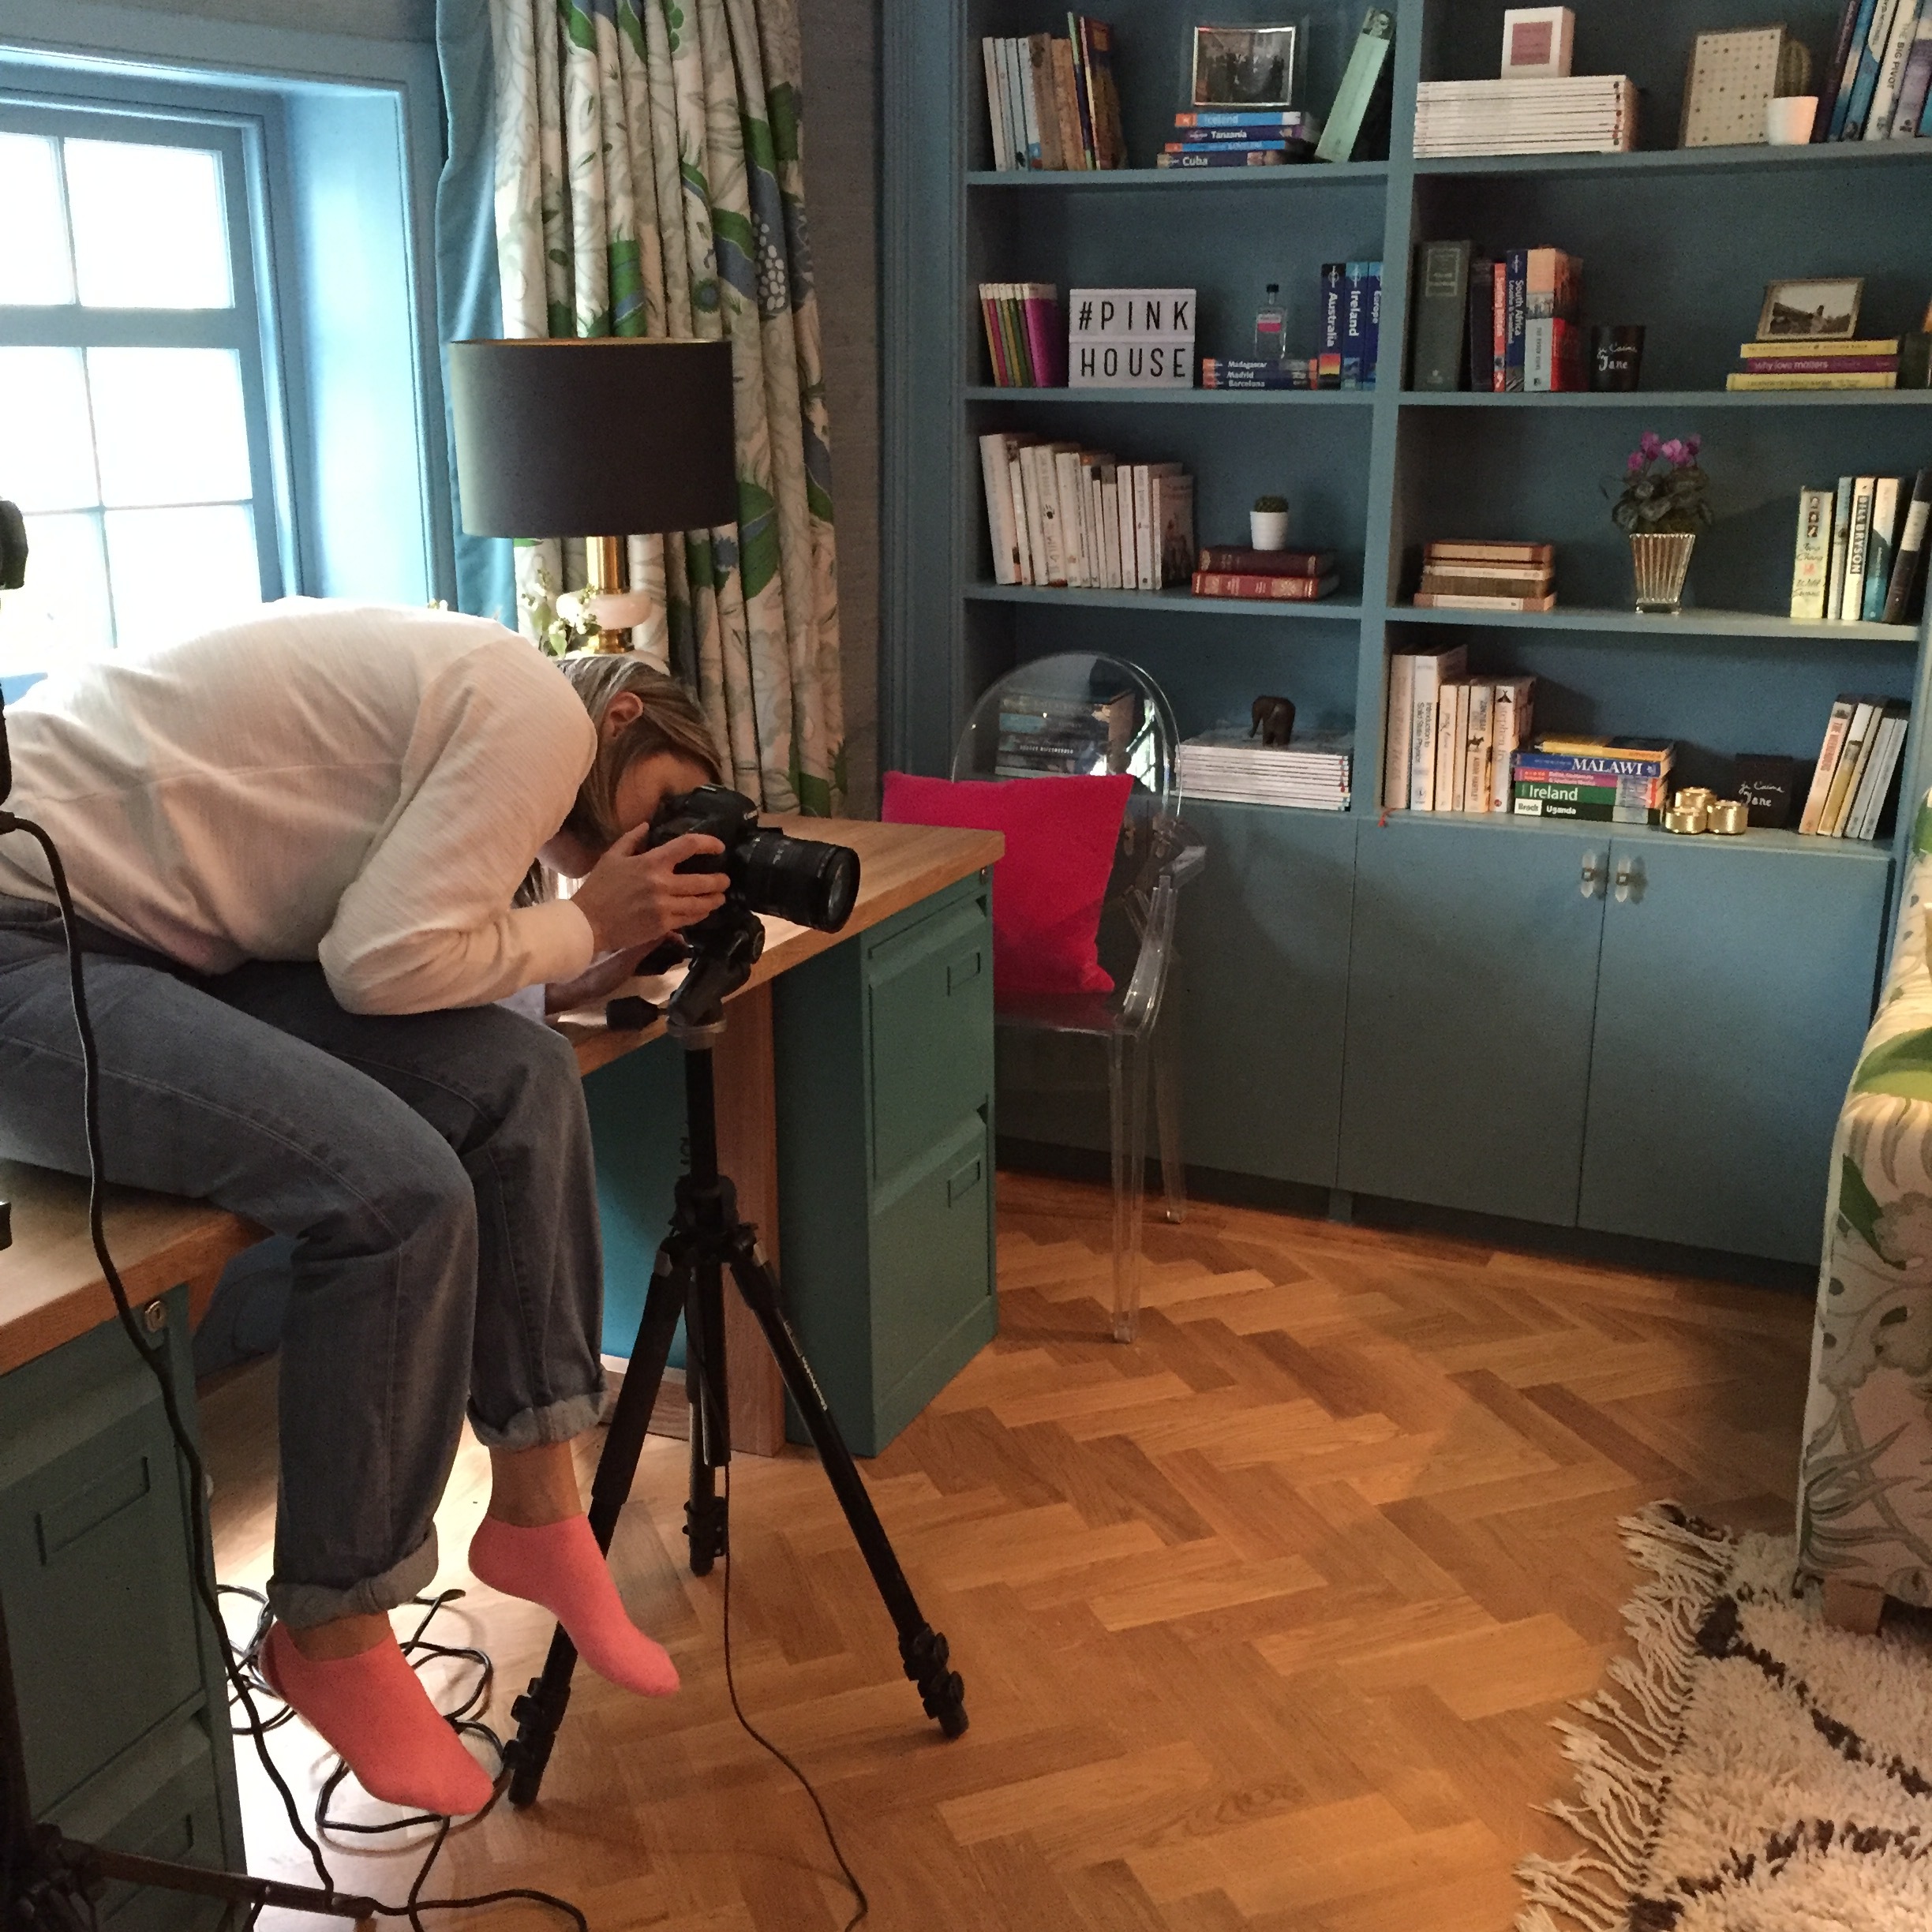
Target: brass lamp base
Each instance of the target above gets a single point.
(604, 577)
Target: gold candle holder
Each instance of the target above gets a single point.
(1729, 817)
(1687, 819)
(1693, 797)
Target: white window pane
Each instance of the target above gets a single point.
(177, 573)
(62, 612)
(46, 445)
(149, 227)
(34, 267)
(169, 425)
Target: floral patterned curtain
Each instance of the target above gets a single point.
(648, 182)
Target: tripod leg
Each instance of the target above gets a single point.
(921, 1649)
(705, 1525)
(541, 1709)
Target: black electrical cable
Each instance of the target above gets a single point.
(758, 1736)
(154, 1359)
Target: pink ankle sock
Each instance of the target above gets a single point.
(560, 1565)
(373, 1708)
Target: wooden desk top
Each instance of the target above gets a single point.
(50, 1285)
(898, 866)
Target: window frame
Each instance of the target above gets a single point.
(248, 328)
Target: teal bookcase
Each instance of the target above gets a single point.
(1424, 1006)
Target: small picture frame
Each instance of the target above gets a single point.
(1538, 43)
(1818, 308)
(1235, 67)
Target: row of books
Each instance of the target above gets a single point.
(1024, 336)
(1864, 740)
(1460, 574)
(1512, 321)
(1877, 84)
(1240, 137)
(1582, 113)
(1861, 550)
(1229, 765)
(1265, 576)
(1061, 515)
(1450, 737)
(1052, 735)
(1798, 365)
(1604, 781)
(1052, 103)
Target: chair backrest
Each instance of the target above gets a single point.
(1081, 714)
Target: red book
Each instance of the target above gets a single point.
(996, 347)
(1226, 557)
(1256, 589)
(1499, 341)
(1045, 341)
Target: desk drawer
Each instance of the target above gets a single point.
(929, 990)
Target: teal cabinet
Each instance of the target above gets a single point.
(884, 1048)
(1472, 984)
(1263, 942)
(123, 1708)
(1734, 990)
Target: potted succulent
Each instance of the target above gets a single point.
(1660, 508)
(1267, 523)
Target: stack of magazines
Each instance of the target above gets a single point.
(1586, 114)
(1231, 765)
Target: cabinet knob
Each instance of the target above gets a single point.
(1630, 880)
(1592, 881)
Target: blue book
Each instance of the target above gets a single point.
(1870, 61)
(1242, 117)
(1353, 320)
(1328, 364)
(1861, 27)
(1372, 321)
(1516, 295)
(1216, 137)
(1227, 146)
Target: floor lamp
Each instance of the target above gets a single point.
(579, 438)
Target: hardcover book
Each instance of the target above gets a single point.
(1878, 548)
(1442, 314)
(1909, 566)
(1253, 587)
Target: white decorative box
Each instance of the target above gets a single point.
(1130, 339)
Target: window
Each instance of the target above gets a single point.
(135, 419)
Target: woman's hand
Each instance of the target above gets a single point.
(600, 978)
(636, 899)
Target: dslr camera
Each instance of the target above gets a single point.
(806, 881)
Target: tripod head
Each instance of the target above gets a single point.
(723, 950)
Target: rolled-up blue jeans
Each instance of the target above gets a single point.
(435, 1169)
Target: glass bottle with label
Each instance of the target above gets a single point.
(1271, 327)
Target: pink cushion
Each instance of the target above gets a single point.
(1047, 892)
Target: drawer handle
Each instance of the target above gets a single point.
(959, 1185)
(965, 969)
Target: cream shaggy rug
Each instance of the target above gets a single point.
(1751, 1769)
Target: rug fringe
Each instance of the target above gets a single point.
(1621, 1753)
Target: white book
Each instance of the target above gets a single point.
(1072, 531)
(995, 464)
(1851, 607)
(1147, 527)
(1174, 527)
(1433, 670)
(1029, 106)
(1108, 473)
(1129, 550)
(1891, 70)
(1857, 744)
(1401, 721)
(1048, 466)
(1026, 509)
(1891, 746)
(1015, 102)
(1840, 543)
(1448, 748)
(1476, 784)
(996, 119)
(1510, 724)
(1864, 813)
(1811, 559)
(1835, 730)
(1905, 125)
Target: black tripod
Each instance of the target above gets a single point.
(705, 1239)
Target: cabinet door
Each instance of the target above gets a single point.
(1264, 943)
(1735, 991)
(1473, 973)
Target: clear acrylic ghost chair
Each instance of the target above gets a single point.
(1082, 714)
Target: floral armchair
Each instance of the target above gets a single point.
(1865, 1488)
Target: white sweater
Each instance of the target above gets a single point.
(358, 785)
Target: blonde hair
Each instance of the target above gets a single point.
(670, 721)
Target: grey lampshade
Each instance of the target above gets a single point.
(607, 437)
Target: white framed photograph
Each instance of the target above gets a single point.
(1821, 309)
(1245, 66)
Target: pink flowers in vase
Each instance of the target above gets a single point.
(1664, 487)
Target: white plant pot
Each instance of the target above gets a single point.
(1267, 530)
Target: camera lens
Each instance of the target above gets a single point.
(802, 880)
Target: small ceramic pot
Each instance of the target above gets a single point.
(1788, 118)
(1267, 530)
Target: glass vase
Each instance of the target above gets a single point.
(1660, 560)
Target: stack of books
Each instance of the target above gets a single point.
(1861, 551)
(1478, 574)
(1265, 576)
(1290, 373)
(1611, 781)
(1852, 785)
(1061, 515)
(1451, 737)
(1877, 84)
(1024, 336)
(1585, 114)
(1240, 137)
(1794, 363)
(1061, 737)
(1232, 766)
(1053, 103)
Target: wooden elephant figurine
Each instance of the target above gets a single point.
(1274, 718)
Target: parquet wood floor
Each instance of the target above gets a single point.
(1263, 1619)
